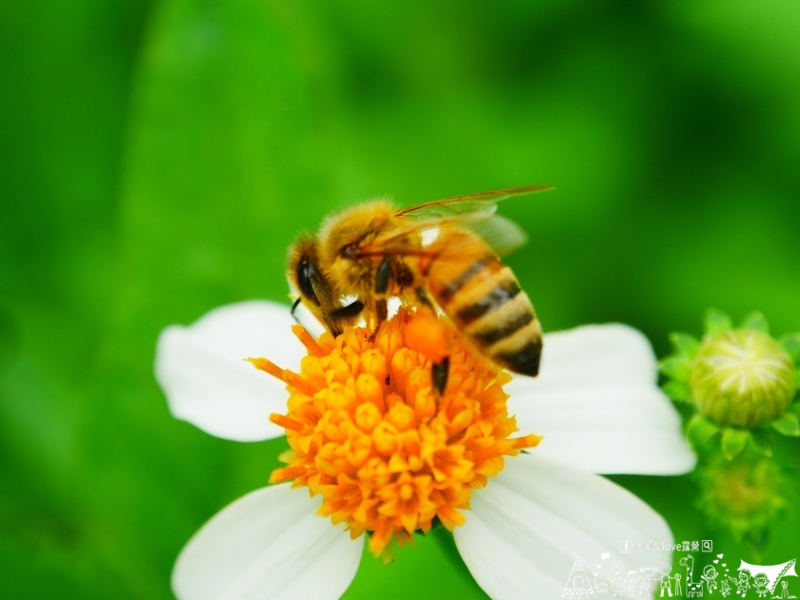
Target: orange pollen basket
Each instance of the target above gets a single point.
(369, 434)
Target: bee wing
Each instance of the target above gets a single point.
(468, 206)
(502, 235)
(471, 211)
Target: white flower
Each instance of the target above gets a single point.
(595, 403)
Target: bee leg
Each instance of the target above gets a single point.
(424, 300)
(294, 308)
(381, 314)
(383, 277)
(439, 372)
(346, 315)
(350, 311)
(441, 368)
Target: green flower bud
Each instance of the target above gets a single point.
(746, 495)
(742, 378)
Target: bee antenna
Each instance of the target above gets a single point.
(294, 307)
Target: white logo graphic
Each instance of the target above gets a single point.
(611, 579)
(770, 575)
(578, 584)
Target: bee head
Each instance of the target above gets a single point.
(305, 276)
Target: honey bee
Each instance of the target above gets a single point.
(439, 254)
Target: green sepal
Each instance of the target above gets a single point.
(761, 441)
(717, 321)
(684, 344)
(791, 343)
(733, 442)
(788, 424)
(755, 321)
(700, 430)
(676, 367)
(678, 391)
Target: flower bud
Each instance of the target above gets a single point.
(742, 378)
(744, 494)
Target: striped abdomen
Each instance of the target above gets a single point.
(483, 298)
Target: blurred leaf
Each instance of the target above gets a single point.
(756, 321)
(684, 344)
(678, 368)
(761, 440)
(700, 430)
(677, 390)
(788, 424)
(717, 321)
(791, 342)
(733, 442)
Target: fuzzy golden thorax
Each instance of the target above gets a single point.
(348, 229)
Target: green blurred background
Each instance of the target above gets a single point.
(157, 158)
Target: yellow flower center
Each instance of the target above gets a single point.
(370, 435)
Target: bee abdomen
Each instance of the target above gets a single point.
(475, 272)
(520, 353)
(496, 297)
(496, 315)
(510, 335)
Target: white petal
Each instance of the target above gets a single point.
(202, 370)
(268, 544)
(598, 407)
(591, 355)
(531, 523)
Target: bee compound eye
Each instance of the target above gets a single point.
(305, 274)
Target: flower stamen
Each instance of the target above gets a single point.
(309, 342)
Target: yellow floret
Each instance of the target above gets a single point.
(370, 435)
